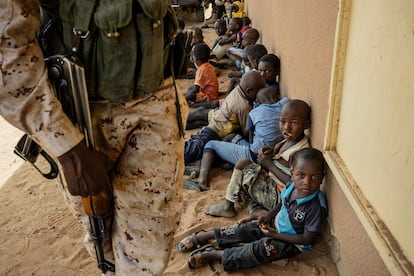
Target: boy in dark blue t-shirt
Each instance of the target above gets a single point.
(287, 230)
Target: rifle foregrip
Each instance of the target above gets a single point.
(97, 205)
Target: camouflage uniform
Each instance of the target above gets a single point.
(141, 136)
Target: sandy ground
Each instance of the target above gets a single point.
(39, 236)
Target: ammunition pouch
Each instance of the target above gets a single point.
(126, 47)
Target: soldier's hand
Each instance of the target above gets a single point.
(86, 171)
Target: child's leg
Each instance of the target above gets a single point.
(200, 113)
(193, 124)
(207, 162)
(190, 96)
(207, 104)
(263, 193)
(255, 253)
(234, 192)
(226, 207)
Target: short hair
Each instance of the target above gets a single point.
(302, 105)
(202, 52)
(238, 21)
(252, 33)
(267, 95)
(255, 51)
(272, 59)
(309, 154)
(246, 21)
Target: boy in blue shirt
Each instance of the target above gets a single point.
(263, 128)
(287, 230)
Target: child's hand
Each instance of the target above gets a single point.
(266, 151)
(246, 219)
(263, 158)
(267, 230)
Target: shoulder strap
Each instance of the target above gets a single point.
(82, 23)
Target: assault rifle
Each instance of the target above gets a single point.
(68, 79)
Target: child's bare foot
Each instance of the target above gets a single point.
(223, 209)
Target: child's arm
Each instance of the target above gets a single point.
(307, 237)
(263, 216)
(265, 160)
(228, 39)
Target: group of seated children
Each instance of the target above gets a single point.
(276, 173)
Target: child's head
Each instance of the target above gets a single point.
(201, 53)
(251, 82)
(294, 119)
(253, 53)
(246, 21)
(220, 26)
(237, 6)
(266, 96)
(269, 67)
(198, 36)
(181, 24)
(250, 37)
(235, 24)
(308, 170)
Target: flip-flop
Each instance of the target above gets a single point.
(190, 184)
(189, 169)
(199, 251)
(189, 243)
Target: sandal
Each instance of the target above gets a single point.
(192, 169)
(189, 243)
(195, 258)
(190, 184)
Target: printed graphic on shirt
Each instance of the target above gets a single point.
(299, 215)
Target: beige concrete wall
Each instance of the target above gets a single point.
(351, 247)
(302, 34)
(374, 138)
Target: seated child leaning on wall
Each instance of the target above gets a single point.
(206, 85)
(252, 55)
(290, 228)
(264, 131)
(232, 38)
(259, 184)
(269, 68)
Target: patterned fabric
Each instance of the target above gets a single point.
(252, 186)
(140, 135)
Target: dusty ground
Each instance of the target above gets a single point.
(39, 236)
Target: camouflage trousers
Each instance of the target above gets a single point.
(252, 186)
(142, 138)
